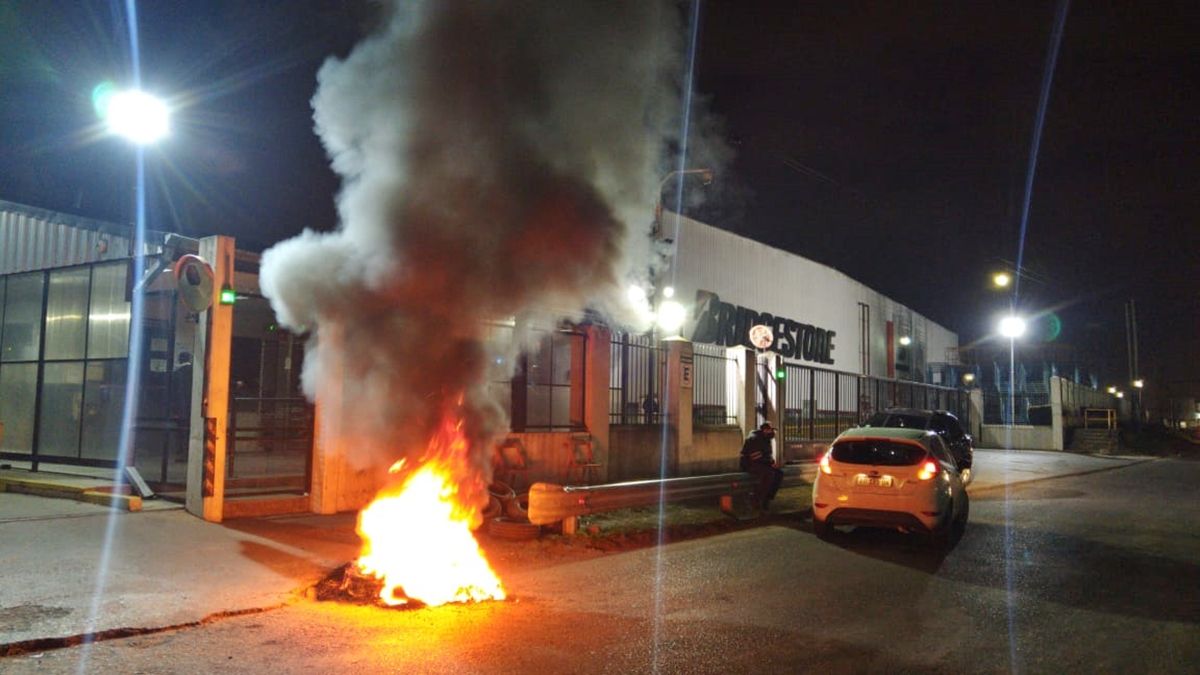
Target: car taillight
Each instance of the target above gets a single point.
(825, 468)
(928, 470)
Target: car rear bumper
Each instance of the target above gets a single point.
(878, 518)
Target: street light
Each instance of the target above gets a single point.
(1112, 390)
(706, 174)
(671, 316)
(1012, 327)
(1139, 383)
(1001, 279)
(137, 116)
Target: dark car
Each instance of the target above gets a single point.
(961, 445)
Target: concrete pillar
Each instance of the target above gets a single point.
(976, 424)
(747, 415)
(337, 483)
(1056, 411)
(212, 352)
(678, 394)
(595, 391)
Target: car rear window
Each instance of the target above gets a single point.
(877, 453)
(897, 421)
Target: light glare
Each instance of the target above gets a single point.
(1001, 279)
(1012, 327)
(905, 341)
(137, 116)
(671, 316)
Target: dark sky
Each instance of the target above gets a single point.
(889, 140)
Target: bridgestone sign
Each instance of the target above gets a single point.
(728, 325)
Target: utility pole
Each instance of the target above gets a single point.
(1131, 348)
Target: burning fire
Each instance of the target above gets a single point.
(417, 533)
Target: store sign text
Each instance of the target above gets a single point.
(728, 325)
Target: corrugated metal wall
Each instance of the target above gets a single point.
(33, 239)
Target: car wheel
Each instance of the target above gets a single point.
(960, 523)
(822, 529)
(941, 539)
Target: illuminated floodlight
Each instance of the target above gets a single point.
(1012, 327)
(1120, 394)
(968, 378)
(1112, 390)
(1001, 279)
(671, 316)
(636, 294)
(1139, 383)
(137, 116)
(669, 292)
(905, 341)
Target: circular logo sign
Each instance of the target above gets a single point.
(194, 277)
(761, 336)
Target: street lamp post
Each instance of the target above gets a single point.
(706, 174)
(1012, 327)
(143, 120)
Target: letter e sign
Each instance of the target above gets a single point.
(685, 375)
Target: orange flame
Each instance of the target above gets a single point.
(417, 536)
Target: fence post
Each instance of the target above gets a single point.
(747, 366)
(837, 405)
(812, 404)
(1056, 412)
(976, 414)
(596, 381)
(677, 394)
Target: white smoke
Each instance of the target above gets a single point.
(497, 159)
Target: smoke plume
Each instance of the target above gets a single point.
(496, 159)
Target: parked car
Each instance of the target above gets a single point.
(960, 443)
(890, 477)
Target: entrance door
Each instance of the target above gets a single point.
(270, 421)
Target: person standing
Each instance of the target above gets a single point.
(758, 459)
(650, 408)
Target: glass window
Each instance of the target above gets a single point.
(108, 316)
(103, 405)
(878, 453)
(62, 404)
(18, 389)
(66, 306)
(22, 317)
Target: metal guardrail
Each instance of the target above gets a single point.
(550, 503)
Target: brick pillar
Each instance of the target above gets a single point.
(681, 372)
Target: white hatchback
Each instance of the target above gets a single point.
(895, 478)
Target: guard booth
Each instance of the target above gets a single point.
(219, 414)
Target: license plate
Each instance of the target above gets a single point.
(873, 481)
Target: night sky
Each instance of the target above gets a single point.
(888, 140)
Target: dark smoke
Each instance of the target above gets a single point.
(497, 159)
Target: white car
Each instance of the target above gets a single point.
(894, 478)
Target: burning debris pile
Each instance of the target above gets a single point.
(498, 160)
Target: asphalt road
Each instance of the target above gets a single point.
(1092, 573)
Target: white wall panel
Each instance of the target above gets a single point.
(754, 275)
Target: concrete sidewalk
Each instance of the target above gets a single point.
(168, 568)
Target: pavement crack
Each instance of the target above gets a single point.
(35, 645)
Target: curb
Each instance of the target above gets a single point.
(103, 496)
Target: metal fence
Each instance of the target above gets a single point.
(638, 372)
(1021, 408)
(714, 390)
(1076, 398)
(820, 404)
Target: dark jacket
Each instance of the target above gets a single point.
(756, 450)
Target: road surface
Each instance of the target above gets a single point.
(1092, 573)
